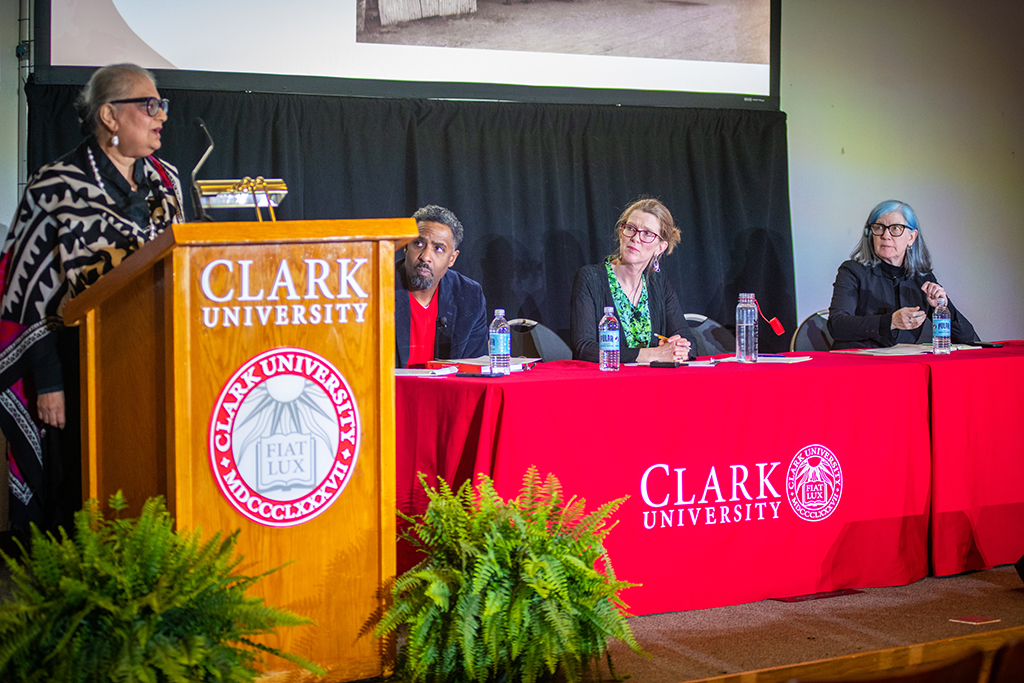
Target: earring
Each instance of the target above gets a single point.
(115, 140)
(657, 263)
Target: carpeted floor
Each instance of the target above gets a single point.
(700, 644)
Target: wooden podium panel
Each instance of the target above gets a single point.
(244, 371)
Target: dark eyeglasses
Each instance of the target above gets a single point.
(153, 105)
(646, 236)
(896, 229)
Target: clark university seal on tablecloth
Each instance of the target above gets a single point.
(284, 437)
(814, 483)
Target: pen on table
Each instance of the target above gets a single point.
(770, 355)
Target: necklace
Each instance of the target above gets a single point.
(95, 169)
(633, 297)
(99, 182)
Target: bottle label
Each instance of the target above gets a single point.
(500, 344)
(609, 340)
(940, 328)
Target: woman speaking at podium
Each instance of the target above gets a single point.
(652, 324)
(885, 292)
(80, 217)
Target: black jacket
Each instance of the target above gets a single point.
(591, 293)
(461, 317)
(864, 299)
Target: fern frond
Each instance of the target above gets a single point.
(132, 600)
(515, 589)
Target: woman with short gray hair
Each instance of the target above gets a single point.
(79, 218)
(884, 295)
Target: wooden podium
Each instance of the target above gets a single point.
(244, 372)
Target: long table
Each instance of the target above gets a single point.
(977, 407)
(976, 401)
(744, 482)
(749, 482)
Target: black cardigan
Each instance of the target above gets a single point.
(591, 293)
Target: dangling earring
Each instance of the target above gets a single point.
(115, 140)
(657, 263)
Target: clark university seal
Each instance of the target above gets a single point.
(814, 483)
(284, 437)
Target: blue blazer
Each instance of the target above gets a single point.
(461, 317)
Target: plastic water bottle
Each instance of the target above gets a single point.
(500, 344)
(940, 329)
(746, 329)
(608, 340)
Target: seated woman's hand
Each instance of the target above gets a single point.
(934, 291)
(682, 347)
(908, 318)
(674, 349)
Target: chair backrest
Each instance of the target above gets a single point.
(712, 338)
(1008, 664)
(813, 334)
(532, 339)
(966, 669)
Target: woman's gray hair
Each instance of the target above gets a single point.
(114, 82)
(917, 260)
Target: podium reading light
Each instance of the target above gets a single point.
(234, 194)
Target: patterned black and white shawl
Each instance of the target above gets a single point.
(67, 232)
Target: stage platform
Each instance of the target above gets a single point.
(772, 641)
(876, 628)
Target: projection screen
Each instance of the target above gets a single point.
(661, 52)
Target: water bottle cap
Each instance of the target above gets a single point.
(499, 312)
(608, 310)
(941, 301)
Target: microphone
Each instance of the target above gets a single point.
(197, 204)
(442, 323)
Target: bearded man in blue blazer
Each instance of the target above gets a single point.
(439, 313)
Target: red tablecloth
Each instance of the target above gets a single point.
(705, 455)
(977, 458)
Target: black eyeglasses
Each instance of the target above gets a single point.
(646, 236)
(153, 105)
(896, 229)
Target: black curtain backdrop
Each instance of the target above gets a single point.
(538, 187)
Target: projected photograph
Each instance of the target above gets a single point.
(714, 30)
(602, 50)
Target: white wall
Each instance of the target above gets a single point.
(8, 165)
(918, 100)
(8, 111)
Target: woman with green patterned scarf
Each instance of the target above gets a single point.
(653, 325)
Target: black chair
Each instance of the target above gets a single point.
(531, 339)
(813, 334)
(966, 669)
(1008, 664)
(712, 338)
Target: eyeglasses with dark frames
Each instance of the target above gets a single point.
(896, 229)
(153, 104)
(646, 236)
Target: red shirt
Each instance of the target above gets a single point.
(422, 327)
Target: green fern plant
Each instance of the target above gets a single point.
(509, 590)
(132, 600)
